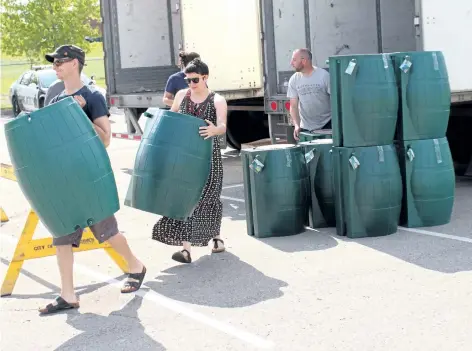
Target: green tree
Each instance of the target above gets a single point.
(32, 28)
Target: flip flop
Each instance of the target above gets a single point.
(133, 282)
(216, 248)
(59, 304)
(180, 257)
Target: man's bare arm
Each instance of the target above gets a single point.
(168, 99)
(294, 112)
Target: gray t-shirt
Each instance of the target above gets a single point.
(313, 93)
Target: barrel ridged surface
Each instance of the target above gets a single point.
(62, 167)
(364, 101)
(319, 158)
(425, 94)
(368, 189)
(429, 182)
(277, 195)
(172, 166)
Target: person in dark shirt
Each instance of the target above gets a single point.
(177, 81)
(68, 61)
(95, 105)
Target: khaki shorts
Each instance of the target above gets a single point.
(102, 231)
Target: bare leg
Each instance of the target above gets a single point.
(68, 299)
(120, 244)
(65, 261)
(186, 246)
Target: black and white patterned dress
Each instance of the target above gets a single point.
(205, 222)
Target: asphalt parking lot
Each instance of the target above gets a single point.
(315, 291)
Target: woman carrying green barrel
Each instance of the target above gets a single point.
(205, 222)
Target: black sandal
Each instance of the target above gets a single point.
(216, 248)
(180, 257)
(133, 282)
(59, 304)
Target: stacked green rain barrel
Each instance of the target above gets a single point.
(62, 167)
(364, 100)
(368, 188)
(172, 166)
(319, 161)
(425, 157)
(276, 190)
(367, 177)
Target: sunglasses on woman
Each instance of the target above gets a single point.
(193, 80)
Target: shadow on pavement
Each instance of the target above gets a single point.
(127, 171)
(55, 290)
(120, 330)
(432, 253)
(310, 240)
(218, 280)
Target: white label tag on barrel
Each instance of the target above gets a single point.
(380, 150)
(354, 162)
(437, 149)
(350, 67)
(406, 64)
(435, 61)
(309, 156)
(385, 60)
(410, 154)
(256, 166)
(288, 156)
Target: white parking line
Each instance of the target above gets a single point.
(438, 235)
(233, 186)
(232, 198)
(412, 230)
(172, 305)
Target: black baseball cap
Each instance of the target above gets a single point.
(67, 51)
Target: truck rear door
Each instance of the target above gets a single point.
(447, 28)
(227, 35)
(141, 43)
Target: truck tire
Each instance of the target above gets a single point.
(246, 127)
(15, 106)
(459, 137)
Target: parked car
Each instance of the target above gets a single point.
(28, 92)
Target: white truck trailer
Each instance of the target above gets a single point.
(248, 45)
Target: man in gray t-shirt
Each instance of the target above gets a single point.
(309, 93)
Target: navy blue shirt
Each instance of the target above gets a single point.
(95, 105)
(176, 82)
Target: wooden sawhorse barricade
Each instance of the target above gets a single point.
(28, 248)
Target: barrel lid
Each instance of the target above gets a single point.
(169, 113)
(319, 132)
(26, 117)
(276, 147)
(317, 142)
(271, 148)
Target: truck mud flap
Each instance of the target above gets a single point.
(468, 172)
(222, 139)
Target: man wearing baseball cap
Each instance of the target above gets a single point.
(68, 62)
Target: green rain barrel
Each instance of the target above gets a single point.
(172, 166)
(364, 100)
(276, 190)
(368, 190)
(429, 182)
(62, 167)
(319, 160)
(425, 94)
(318, 134)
